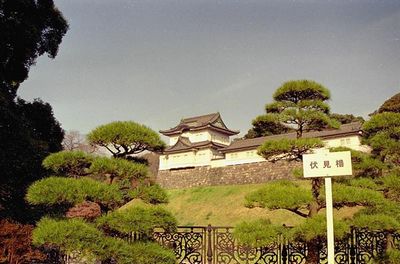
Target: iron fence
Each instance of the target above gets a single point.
(216, 245)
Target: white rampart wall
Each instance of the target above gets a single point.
(186, 159)
(202, 135)
(215, 159)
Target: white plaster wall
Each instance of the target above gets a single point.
(353, 142)
(219, 138)
(241, 157)
(196, 136)
(212, 158)
(186, 159)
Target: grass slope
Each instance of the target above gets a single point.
(224, 206)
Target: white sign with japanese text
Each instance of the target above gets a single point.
(326, 164)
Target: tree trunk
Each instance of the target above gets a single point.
(389, 242)
(313, 251)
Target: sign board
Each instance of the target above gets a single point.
(326, 164)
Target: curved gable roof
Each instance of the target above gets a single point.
(213, 121)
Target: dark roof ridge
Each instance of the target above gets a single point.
(214, 115)
(350, 128)
(200, 122)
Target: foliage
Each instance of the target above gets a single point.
(347, 118)
(28, 132)
(350, 195)
(301, 105)
(28, 29)
(76, 235)
(391, 105)
(266, 125)
(69, 163)
(392, 257)
(89, 197)
(288, 149)
(69, 235)
(375, 186)
(118, 168)
(151, 253)
(314, 227)
(138, 219)
(123, 138)
(364, 165)
(382, 133)
(279, 194)
(15, 242)
(60, 190)
(378, 221)
(391, 184)
(153, 194)
(260, 232)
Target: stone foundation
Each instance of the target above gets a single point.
(257, 172)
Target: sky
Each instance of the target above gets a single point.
(158, 61)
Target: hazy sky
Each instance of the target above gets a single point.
(158, 61)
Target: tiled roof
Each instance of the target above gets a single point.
(346, 129)
(183, 144)
(200, 122)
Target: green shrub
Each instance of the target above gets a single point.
(69, 235)
(120, 168)
(71, 163)
(138, 219)
(377, 221)
(279, 194)
(316, 227)
(127, 137)
(60, 190)
(350, 195)
(153, 194)
(258, 232)
(76, 235)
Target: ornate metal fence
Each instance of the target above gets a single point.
(216, 245)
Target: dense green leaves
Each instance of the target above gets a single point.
(28, 30)
(124, 138)
(71, 163)
(298, 106)
(381, 122)
(296, 91)
(121, 168)
(28, 133)
(280, 194)
(382, 133)
(69, 235)
(76, 235)
(376, 222)
(391, 105)
(266, 125)
(138, 219)
(316, 227)
(153, 194)
(60, 190)
(257, 233)
(347, 118)
(350, 195)
(290, 149)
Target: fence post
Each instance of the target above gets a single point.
(284, 253)
(353, 238)
(209, 248)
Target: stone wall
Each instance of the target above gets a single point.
(257, 172)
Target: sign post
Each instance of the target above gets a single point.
(326, 164)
